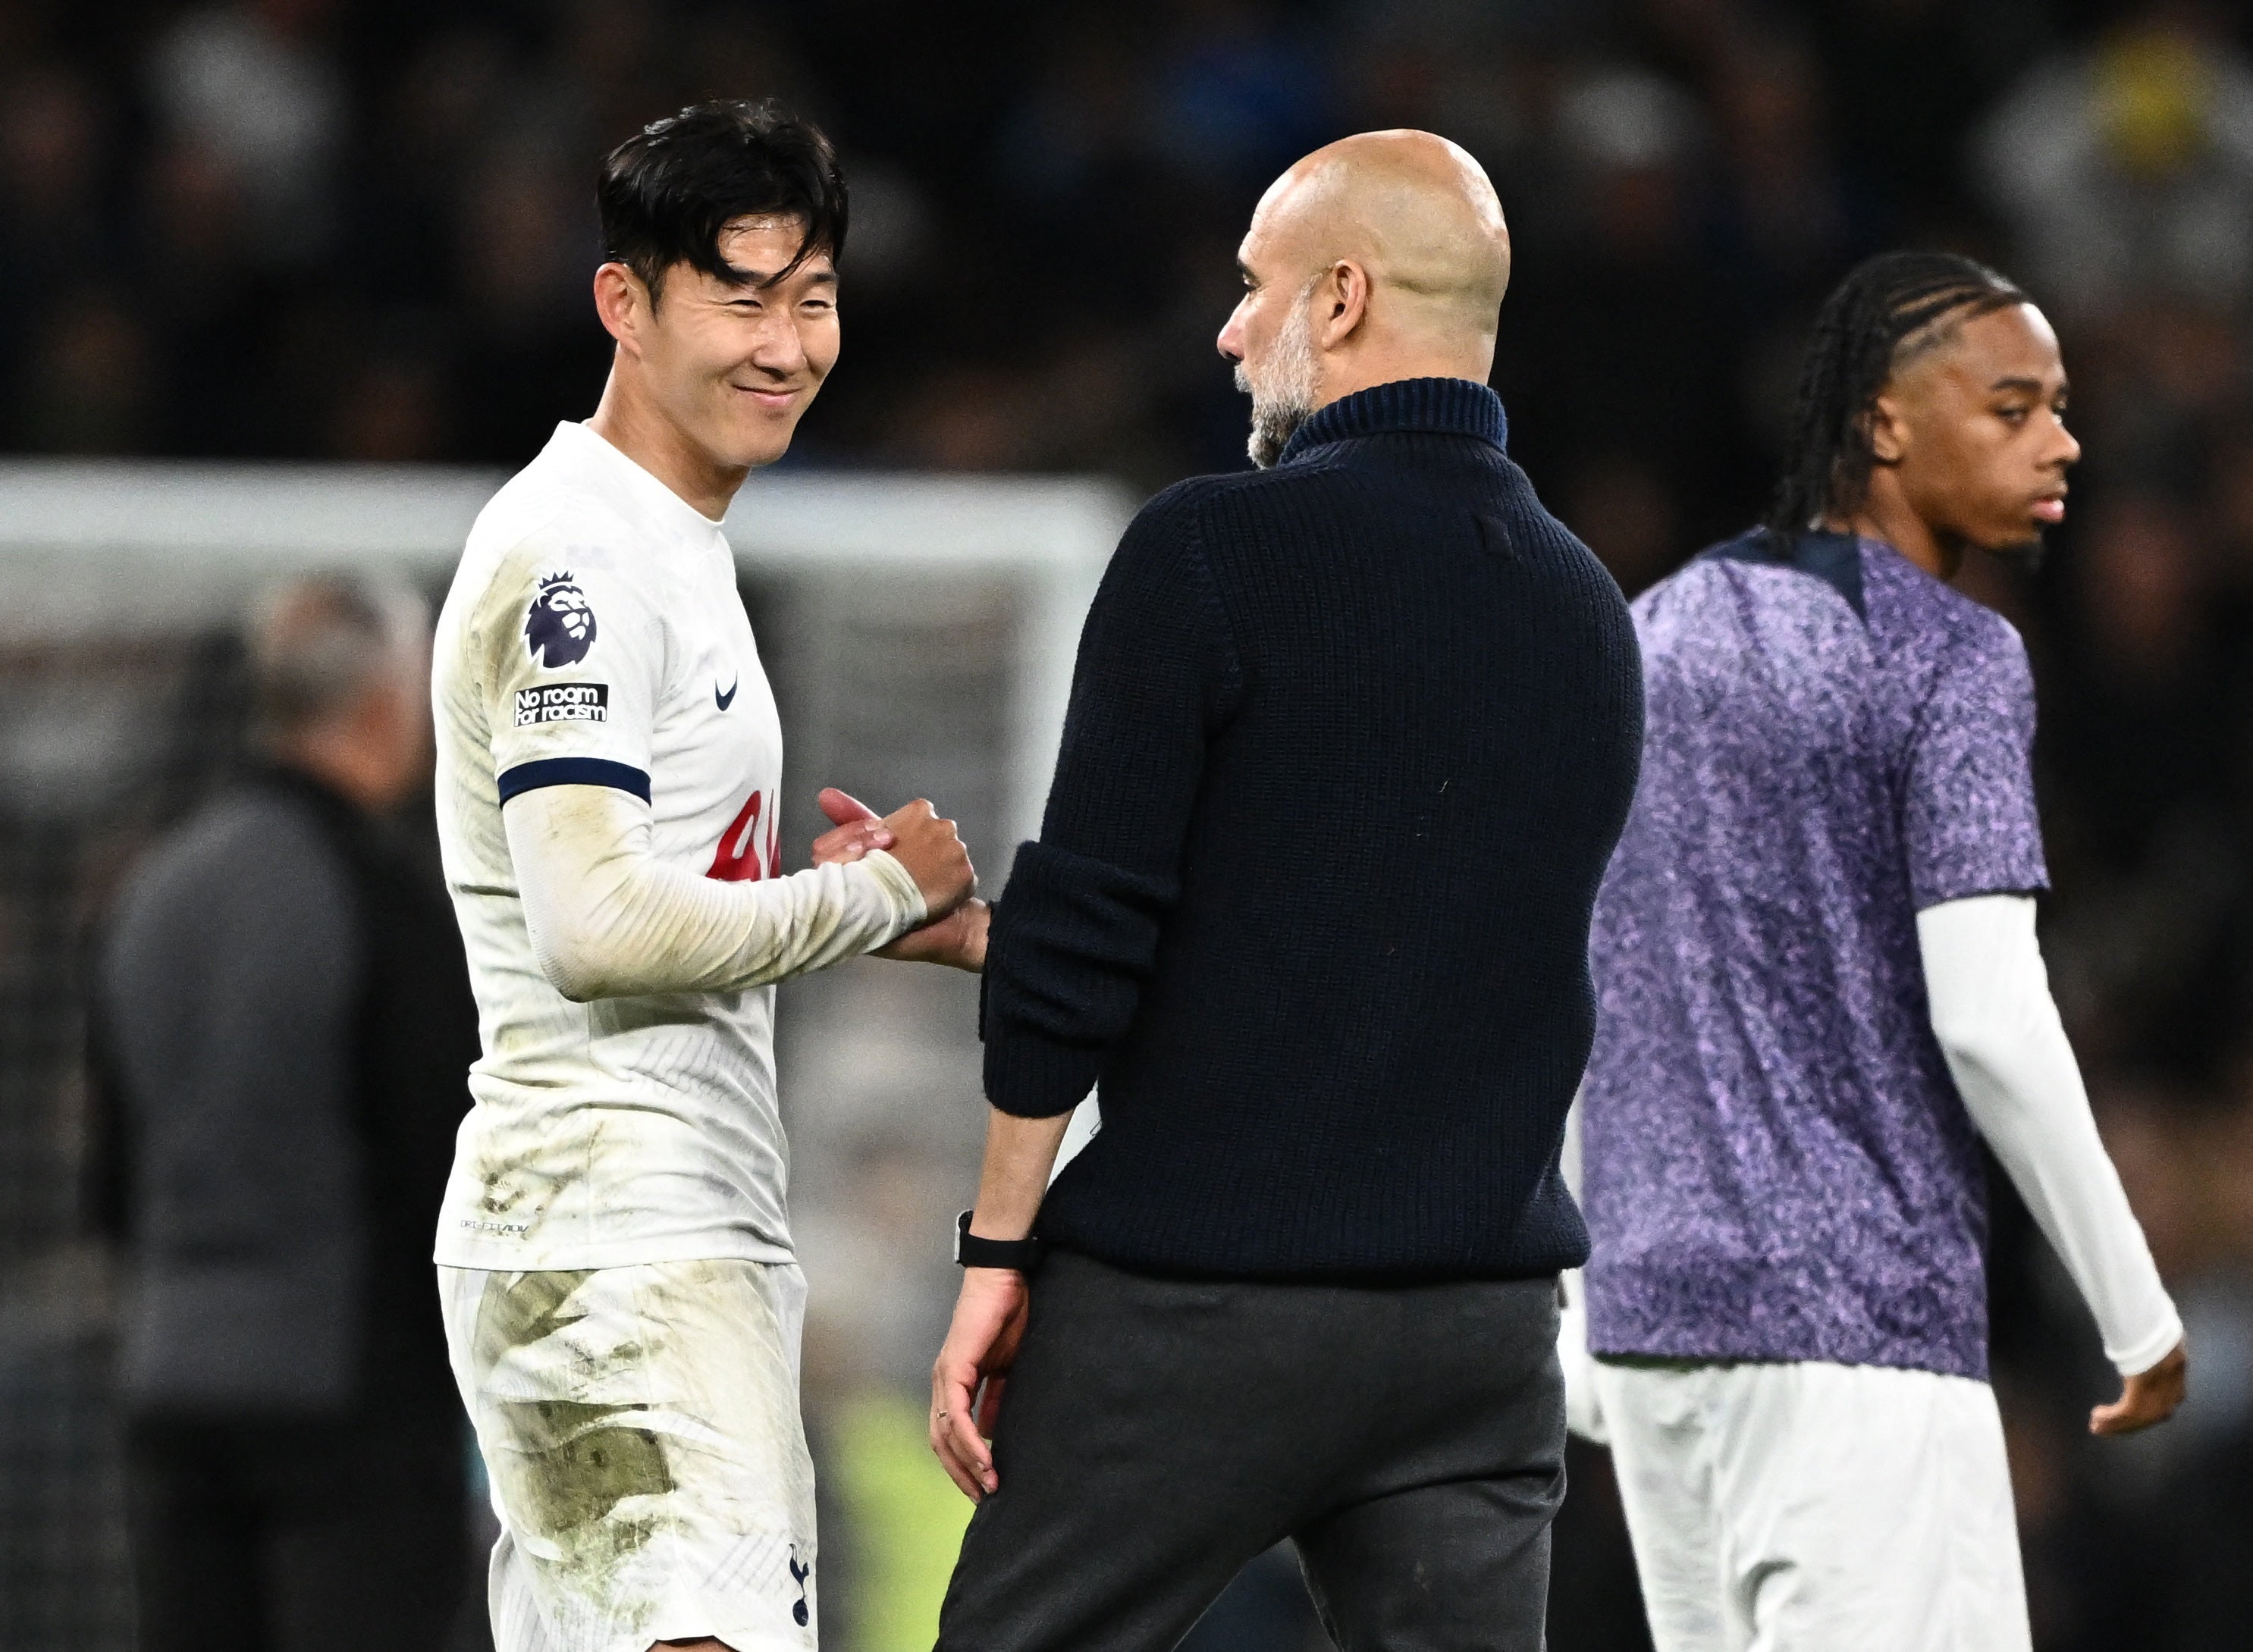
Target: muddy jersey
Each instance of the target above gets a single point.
(594, 637)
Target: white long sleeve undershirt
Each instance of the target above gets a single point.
(1583, 1412)
(1999, 1029)
(608, 919)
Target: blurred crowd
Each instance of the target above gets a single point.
(332, 228)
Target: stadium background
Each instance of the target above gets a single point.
(330, 229)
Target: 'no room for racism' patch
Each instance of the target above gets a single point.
(563, 702)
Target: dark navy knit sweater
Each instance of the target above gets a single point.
(1350, 744)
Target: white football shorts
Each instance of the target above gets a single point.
(1815, 1507)
(641, 1431)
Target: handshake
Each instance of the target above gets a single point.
(953, 932)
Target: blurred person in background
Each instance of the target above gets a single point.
(2126, 168)
(256, 84)
(1629, 294)
(622, 1295)
(1302, 1283)
(287, 1021)
(1821, 989)
(53, 135)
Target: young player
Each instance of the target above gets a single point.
(621, 1303)
(1820, 986)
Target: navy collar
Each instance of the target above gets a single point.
(1443, 407)
(1836, 558)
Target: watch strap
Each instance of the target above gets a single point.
(971, 1251)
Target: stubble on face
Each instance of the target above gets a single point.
(1283, 391)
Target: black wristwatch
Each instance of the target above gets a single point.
(971, 1251)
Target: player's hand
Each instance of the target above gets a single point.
(971, 1370)
(2146, 1399)
(957, 940)
(926, 843)
(857, 830)
(929, 846)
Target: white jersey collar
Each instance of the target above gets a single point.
(584, 449)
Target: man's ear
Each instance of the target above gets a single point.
(1341, 303)
(1888, 430)
(624, 303)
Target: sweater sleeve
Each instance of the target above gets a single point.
(1076, 933)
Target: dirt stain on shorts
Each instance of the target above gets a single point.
(564, 1466)
(571, 1465)
(520, 1309)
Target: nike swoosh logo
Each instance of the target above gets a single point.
(729, 698)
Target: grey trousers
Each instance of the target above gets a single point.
(1157, 1434)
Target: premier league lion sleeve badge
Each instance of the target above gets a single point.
(559, 627)
(553, 721)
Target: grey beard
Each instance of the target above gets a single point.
(1289, 400)
(1273, 424)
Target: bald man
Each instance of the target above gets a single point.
(1351, 739)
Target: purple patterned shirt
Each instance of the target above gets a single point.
(1778, 1165)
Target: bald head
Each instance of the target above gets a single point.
(1378, 257)
(1416, 211)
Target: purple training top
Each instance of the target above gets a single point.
(1778, 1165)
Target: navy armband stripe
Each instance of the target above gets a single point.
(572, 771)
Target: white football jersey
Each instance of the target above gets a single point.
(593, 636)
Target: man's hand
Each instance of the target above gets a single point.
(2146, 1399)
(971, 1370)
(958, 940)
(929, 847)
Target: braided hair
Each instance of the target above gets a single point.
(1886, 308)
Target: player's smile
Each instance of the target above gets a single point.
(778, 398)
(734, 363)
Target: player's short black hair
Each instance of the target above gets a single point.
(666, 192)
(1886, 308)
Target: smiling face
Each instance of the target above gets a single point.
(1970, 431)
(732, 368)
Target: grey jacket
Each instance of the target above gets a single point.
(229, 995)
